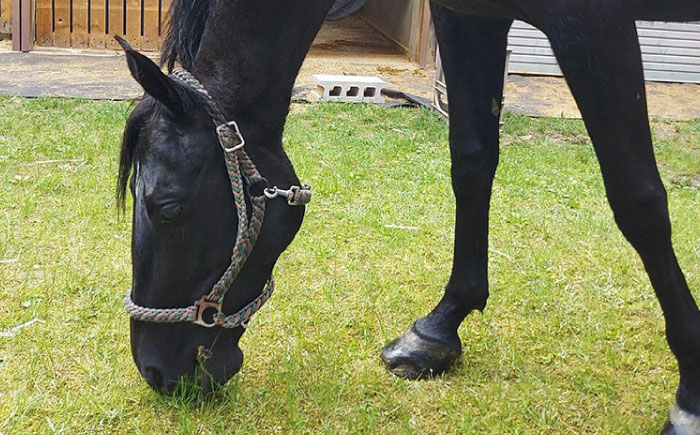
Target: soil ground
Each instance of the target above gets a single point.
(343, 47)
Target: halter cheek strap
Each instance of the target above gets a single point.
(207, 311)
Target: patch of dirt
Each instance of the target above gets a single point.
(676, 101)
(392, 71)
(550, 96)
(575, 139)
(346, 47)
(540, 96)
(664, 131)
(5, 45)
(679, 179)
(396, 70)
(342, 44)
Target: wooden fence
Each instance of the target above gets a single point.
(5, 16)
(93, 23)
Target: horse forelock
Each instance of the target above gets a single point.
(147, 111)
(187, 21)
(147, 107)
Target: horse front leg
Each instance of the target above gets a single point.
(473, 53)
(597, 47)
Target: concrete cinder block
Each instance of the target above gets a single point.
(349, 89)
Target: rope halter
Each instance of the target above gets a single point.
(207, 311)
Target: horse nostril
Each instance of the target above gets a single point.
(153, 376)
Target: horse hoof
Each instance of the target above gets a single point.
(681, 423)
(414, 357)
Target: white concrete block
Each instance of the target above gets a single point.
(349, 89)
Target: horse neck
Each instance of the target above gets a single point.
(250, 55)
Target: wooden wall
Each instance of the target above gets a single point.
(93, 23)
(406, 22)
(5, 16)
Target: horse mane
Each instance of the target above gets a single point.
(187, 21)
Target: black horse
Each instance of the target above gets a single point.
(247, 55)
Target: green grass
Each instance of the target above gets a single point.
(571, 342)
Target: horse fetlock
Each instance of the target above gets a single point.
(682, 422)
(688, 395)
(466, 296)
(414, 356)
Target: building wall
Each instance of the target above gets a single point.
(671, 51)
(394, 18)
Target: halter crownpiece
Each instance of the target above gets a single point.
(207, 311)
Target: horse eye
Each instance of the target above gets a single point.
(171, 212)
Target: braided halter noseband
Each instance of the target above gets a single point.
(207, 311)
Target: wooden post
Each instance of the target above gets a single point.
(27, 25)
(420, 32)
(424, 35)
(416, 16)
(15, 21)
(22, 35)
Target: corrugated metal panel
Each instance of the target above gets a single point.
(670, 51)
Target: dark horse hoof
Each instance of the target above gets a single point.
(413, 356)
(681, 423)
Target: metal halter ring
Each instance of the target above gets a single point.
(204, 305)
(225, 131)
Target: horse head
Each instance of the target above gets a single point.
(186, 224)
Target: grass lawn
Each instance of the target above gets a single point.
(571, 342)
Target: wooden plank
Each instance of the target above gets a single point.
(116, 23)
(133, 23)
(79, 34)
(98, 13)
(424, 36)
(16, 35)
(416, 18)
(164, 18)
(61, 22)
(150, 41)
(44, 24)
(5, 16)
(27, 25)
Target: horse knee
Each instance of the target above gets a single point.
(473, 169)
(642, 216)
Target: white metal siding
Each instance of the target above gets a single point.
(670, 51)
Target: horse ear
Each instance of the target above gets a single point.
(151, 78)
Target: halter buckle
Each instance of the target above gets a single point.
(202, 306)
(225, 132)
